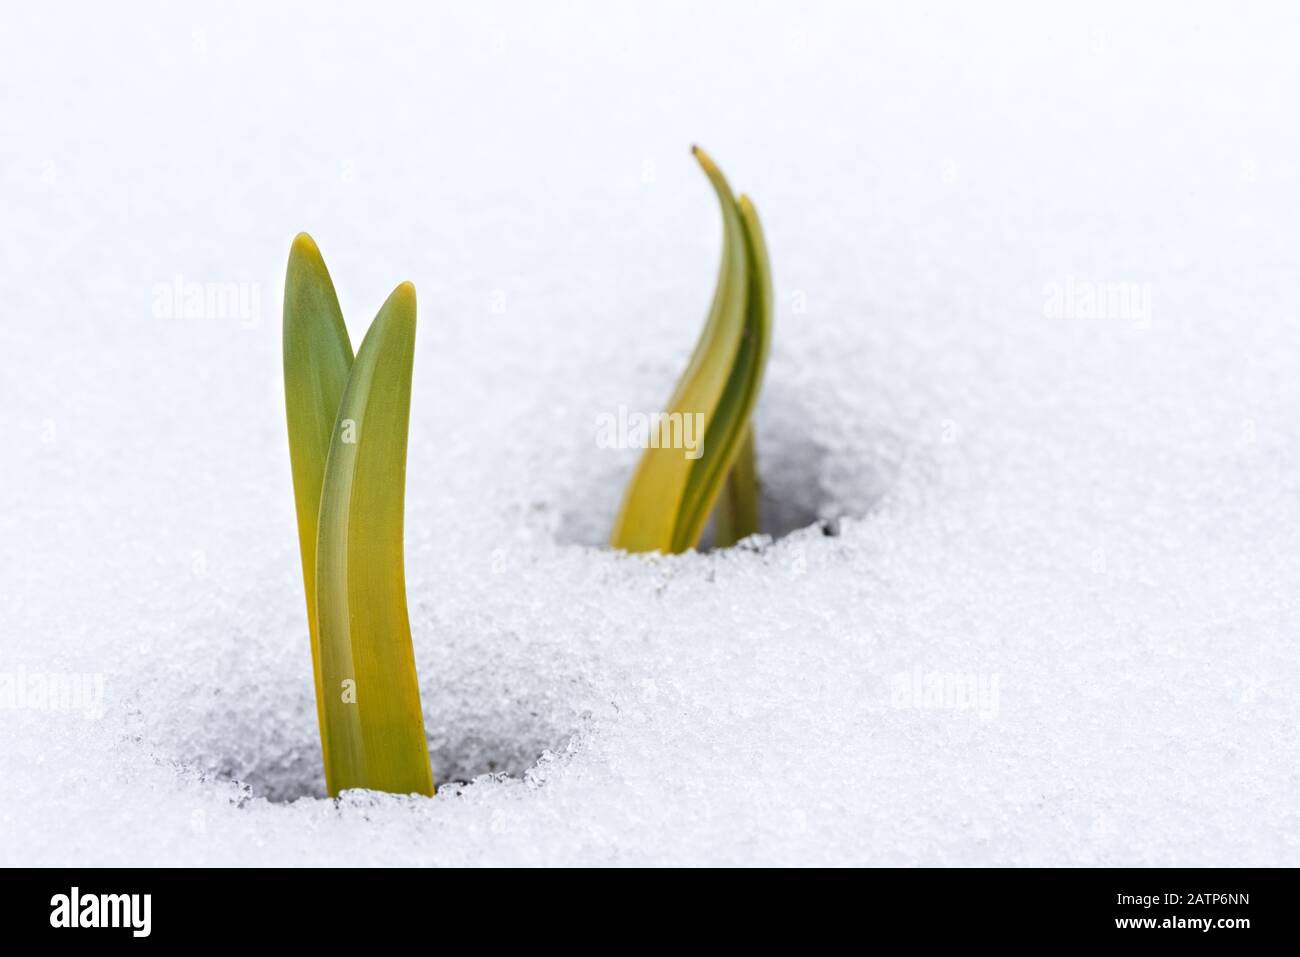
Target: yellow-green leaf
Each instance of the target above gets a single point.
(737, 513)
(667, 503)
(373, 732)
(317, 359)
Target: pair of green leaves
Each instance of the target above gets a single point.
(348, 424)
(667, 504)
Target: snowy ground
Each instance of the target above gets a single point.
(1096, 521)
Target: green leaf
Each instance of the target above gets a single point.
(667, 503)
(317, 359)
(737, 513)
(373, 732)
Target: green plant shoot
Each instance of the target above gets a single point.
(670, 497)
(348, 421)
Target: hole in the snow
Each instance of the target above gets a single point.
(814, 468)
(281, 759)
(287, 776)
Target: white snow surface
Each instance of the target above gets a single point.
(1096, 518)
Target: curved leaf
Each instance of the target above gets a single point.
(373, 733)
(667, 503)
(317, 360)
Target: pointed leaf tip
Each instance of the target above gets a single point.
(706, 161)
(403, 295)
(398, 310)
(304, 245)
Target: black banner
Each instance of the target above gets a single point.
(1145, 906)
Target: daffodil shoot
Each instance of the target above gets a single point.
(667, 504)
(348, 420)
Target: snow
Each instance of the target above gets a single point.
(1083, 530)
